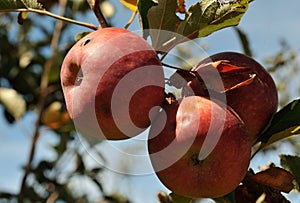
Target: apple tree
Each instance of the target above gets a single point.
(207, 120)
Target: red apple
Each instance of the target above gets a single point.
(249, 88)
(198, 148)
(112, 79)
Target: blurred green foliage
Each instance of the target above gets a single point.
(24, 53)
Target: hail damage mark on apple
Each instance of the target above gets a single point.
(105, 108)
(71, 75)
(86, 42)
(79, 78)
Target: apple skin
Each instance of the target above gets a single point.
(255, 103)
(177, 136)
(112, 79)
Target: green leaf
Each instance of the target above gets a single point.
(17, 4)
(285, 123)
(206, 17)
(201, 19)
(80, 35)
(292, 164)
(244, 41)
(12, 102)
(163, 15)
(143, 8)
(162, 18)
(163, 23)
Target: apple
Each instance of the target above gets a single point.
(249, 88)
(113, 83)
(198, 148)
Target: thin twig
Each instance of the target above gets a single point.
(95, 6)
(43, 95)
(131, 19)
(173, 67)
(47, 13)
(53, 197)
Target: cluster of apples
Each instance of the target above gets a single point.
(227, 101)
(200, 144)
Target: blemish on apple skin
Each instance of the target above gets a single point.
(72, 75)
(79, 78)
(174, 126)
(86, 42)
(105, 108)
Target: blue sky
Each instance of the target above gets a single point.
(266, 23)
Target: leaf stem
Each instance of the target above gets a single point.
(47, 13)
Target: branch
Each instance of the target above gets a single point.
(94, 5)
(47, 13)
(131, 19)
(44, 93)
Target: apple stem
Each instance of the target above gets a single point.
(95, 6)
